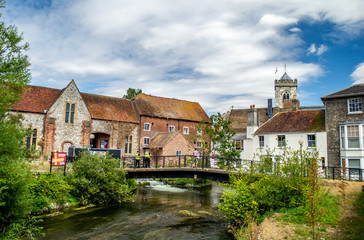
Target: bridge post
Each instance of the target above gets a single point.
(164, 161)
(185, 161)
(156, 161)
(179, 161)
(202, 163)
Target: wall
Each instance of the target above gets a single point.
(336, 113)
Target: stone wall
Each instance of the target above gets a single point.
(336, 113)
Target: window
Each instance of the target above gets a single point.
(354, 163)
(286, 96)
(353, 136)
(171, 128)
(199, 144)
(261, 141)
(199, 132)
(355, 105)
(342, 133)
(146, 127)
(185, 130)
(146, 140)
(178, 153)
(239, 144)
(281, 140)
(31, 141)
(70, 113)
(311, 140)
(128, 144)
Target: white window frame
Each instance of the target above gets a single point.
(171, 128)
(179, 153)
(310, 141)
(185, 130)
(261, 141)
(199, 132)
(280, 142)
(146, 126)
(146, 141)
(199, 144)
(355, 105)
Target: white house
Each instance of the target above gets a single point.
(296, 130)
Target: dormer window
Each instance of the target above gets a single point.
(69, 116)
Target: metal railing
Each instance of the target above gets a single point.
(248, 166)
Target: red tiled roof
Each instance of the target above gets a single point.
(109, 108)
(169, 108)
(297, 121)
(37, 99)
(161, 139)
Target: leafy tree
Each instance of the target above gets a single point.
(15, 177)
(132, 92)
(219, 132)
(97, 179)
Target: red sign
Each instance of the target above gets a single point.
(59, 158)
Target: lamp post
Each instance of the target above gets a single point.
(92, 137)
(300, 142)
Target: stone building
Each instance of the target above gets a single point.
(60, 118)
(159, 115)
(345, 126)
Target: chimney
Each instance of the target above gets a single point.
(253, 121)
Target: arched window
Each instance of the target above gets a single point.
(69, 116)
(285, 96)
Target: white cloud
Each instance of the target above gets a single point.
(358, 74)
(219, 53)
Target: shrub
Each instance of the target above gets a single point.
(97, 179)
(48, 189)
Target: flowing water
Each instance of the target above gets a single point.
(153, 215)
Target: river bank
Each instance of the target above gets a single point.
(159, 211)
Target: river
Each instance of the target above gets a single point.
(155, 214)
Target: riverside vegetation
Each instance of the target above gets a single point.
(292, 192)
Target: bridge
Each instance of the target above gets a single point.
(188, 167)
(188, 172)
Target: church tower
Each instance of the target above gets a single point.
(285, 91)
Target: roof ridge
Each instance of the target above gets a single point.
(150, 95)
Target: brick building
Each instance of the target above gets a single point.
(60, 118)
(166, 115)
(345, 126)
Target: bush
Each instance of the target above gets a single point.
(237, 202)
(97, 179)
(48, 189)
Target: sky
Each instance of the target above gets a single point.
(220, 53)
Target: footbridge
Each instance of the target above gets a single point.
(188, 172)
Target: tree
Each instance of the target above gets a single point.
(132, 92)
(219, 133)
(15, 177)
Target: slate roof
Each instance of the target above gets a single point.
(285, 77)
(296, 121)
(354, 90)
(37, 99)
(169, 108)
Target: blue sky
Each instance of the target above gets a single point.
(217, 53)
